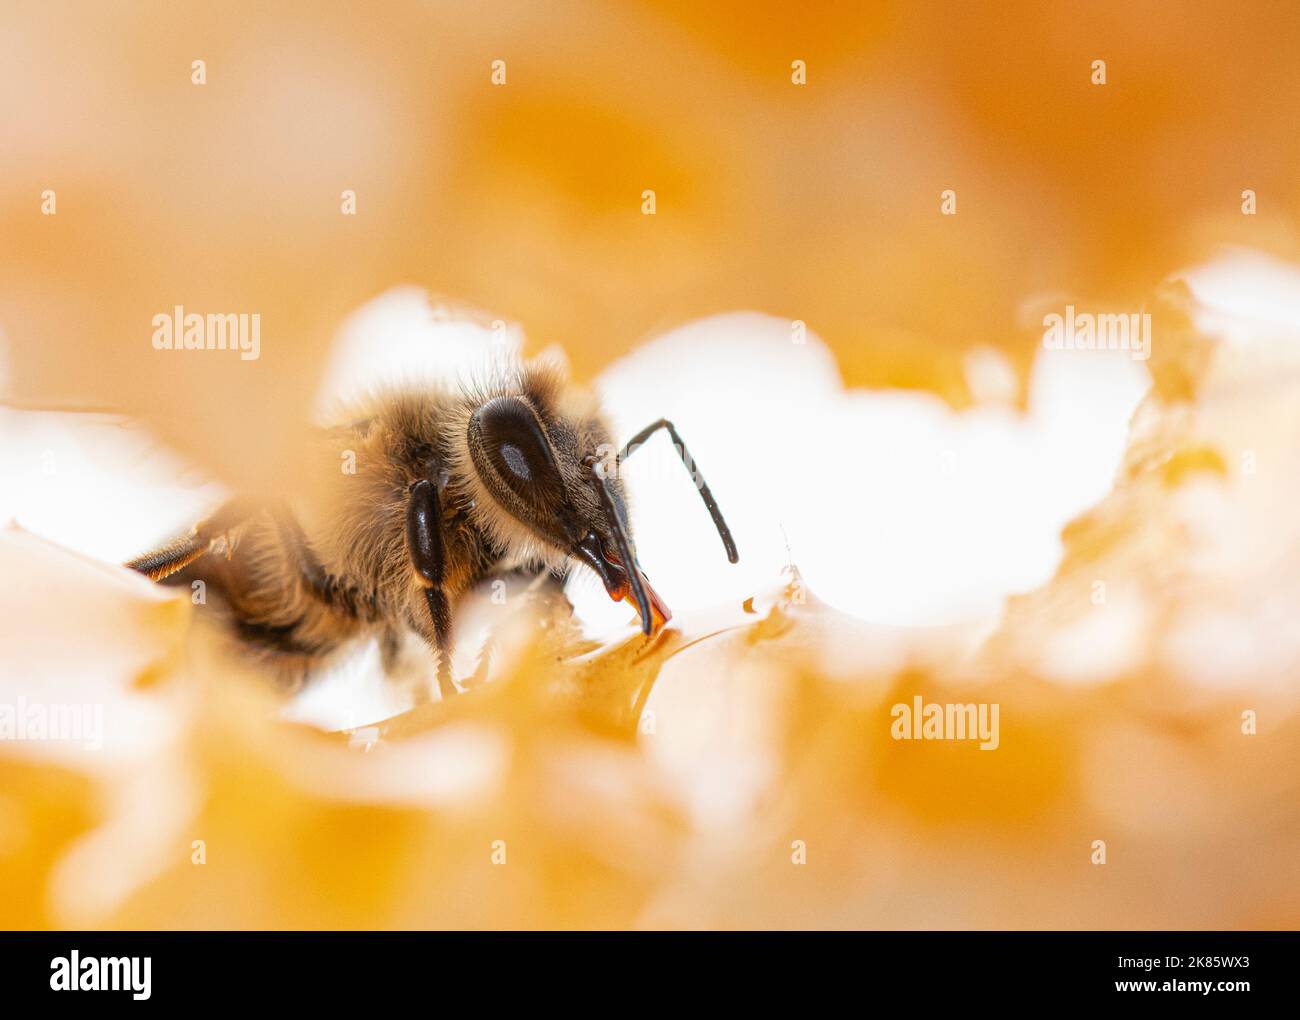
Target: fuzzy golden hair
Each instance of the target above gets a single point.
(355, 523)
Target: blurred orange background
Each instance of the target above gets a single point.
(525, 200)
(818, 202)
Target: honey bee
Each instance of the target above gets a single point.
(451, 486)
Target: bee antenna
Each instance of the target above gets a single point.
(693, 468)
(624, 545)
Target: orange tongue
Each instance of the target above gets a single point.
(660, 614)
(659, 610)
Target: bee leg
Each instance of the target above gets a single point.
(424, 545)
(164, 562)
(706, 494)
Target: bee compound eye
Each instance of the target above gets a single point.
(507, 435)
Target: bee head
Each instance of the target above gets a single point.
(546, 466)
